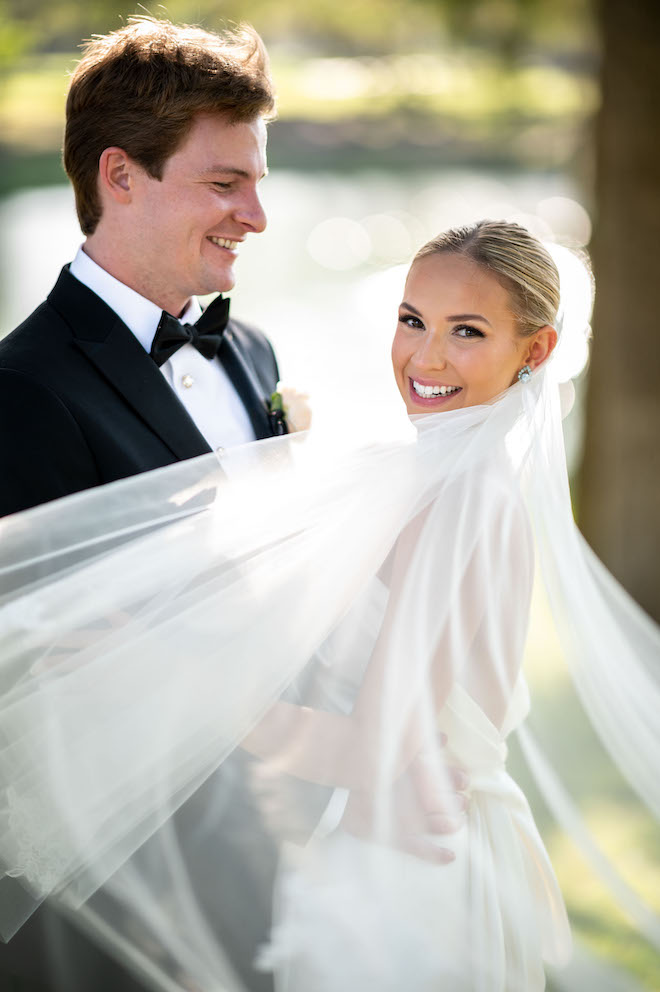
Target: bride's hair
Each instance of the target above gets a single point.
(515, 258)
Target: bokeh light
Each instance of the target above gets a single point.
(339, 243)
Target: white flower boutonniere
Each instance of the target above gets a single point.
(292, 406)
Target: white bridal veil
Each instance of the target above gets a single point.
(229, 690)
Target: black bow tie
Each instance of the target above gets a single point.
(205, 335)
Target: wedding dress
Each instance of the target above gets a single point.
(353, 915)
(343, 598)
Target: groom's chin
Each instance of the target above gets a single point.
(223, 281)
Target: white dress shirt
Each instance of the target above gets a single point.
(202, 385)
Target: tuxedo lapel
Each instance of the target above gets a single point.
(111, 347)
(246, 384)
(125, 364)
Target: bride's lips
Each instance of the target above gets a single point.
(432, 401)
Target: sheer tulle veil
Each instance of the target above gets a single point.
(163, 639)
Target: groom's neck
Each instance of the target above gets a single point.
(135, 270)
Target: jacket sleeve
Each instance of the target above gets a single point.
(43, 454)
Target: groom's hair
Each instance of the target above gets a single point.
(140, 88)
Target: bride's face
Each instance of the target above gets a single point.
(456, 342)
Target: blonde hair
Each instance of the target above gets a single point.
(140, 88)
(516, 259)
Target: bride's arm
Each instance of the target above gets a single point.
(347, 751)
(312, 744)
(456, 610)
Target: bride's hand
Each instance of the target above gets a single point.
(425, 806)
(440, 791)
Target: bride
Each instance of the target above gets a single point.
(220, 695)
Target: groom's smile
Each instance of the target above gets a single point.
(225, 243)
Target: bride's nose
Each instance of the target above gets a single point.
(431, 353)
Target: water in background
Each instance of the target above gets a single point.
(325, 279)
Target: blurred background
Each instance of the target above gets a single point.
(397, 119)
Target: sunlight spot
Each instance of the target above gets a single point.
(339, 243)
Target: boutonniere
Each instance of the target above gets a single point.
(289, 410)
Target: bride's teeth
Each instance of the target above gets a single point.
(428, 391)
(225, 243)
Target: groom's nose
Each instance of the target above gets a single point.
(251, 213)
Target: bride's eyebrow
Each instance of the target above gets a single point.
(468, 316)
(410, 307)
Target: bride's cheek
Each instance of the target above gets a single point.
(396, 360)
(400, 354)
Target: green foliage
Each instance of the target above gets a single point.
(512, 27)
(622, 827)
(16, 37)
(366, 26)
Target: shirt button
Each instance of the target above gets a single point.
(187, 381)
(220, 452)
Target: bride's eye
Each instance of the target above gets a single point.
(411, 321)
(468, 331)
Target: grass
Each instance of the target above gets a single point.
(398, 110)
(623, 829)
(467, 87)
(32, 99)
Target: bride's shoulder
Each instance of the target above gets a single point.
(491, 482)
(484, 503)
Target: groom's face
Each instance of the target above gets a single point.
(188, 226)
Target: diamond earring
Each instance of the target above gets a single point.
(525, 373)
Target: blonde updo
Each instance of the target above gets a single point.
(516, 259)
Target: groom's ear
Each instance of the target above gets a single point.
(116, 174)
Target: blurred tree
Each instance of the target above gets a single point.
(521, 29)
(620, 499)
(16, 37)
(378, 26)
(371, 25)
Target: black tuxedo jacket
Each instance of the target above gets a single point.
(82, 403)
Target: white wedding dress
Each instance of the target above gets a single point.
(352, 915)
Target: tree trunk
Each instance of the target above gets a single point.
(620, 494)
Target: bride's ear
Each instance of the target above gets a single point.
(541, 345)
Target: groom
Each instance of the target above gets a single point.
(165, 145)
(116, 374)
